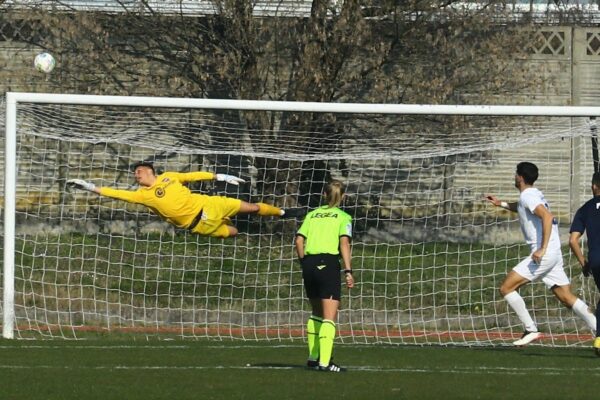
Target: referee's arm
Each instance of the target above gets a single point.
(300, 246)
(346, 254)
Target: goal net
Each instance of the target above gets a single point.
(429, 253)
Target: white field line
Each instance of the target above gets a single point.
(159, 347)
(356, 368)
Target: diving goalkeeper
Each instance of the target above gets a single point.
(166, 196)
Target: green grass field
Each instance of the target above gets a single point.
(131, 368)
(134, 270)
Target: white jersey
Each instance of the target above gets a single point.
(531, 224)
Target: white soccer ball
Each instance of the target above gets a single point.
(44, 62)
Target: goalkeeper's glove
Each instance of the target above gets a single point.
(81, 184)
(586, 269)
(234, 180)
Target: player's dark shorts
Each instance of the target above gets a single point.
(321, 275)
(594, 260)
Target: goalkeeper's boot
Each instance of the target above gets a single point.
(293, 213)
(332, 368)
(527, 338)
(597, 346)
(312, 364)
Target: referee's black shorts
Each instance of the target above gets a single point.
(321, 275)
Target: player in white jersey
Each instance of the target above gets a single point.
(545, 262)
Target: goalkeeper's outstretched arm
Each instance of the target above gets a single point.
(207, 176)
(83, 185)
(125, 195)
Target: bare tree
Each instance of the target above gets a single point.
(414, 51)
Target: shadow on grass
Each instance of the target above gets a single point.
(543, 352)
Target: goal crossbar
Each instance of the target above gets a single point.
(265, 105)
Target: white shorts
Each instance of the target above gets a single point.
(550, 270)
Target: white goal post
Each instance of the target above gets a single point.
(428, 252)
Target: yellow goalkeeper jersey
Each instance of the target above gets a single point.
(168, 197)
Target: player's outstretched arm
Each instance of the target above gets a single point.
(83, 185)
(234, 180)
(207, 176)
(495, 201)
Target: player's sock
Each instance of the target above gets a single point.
(582, 310)
(268, 210)
(312, 331)
(326, 336)
(516, 302)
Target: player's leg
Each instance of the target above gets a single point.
(219, 229)
(330, 291)
(313, 326)
(594, 260)
(216, 214)
(558, 281)
(260, 209)
(564, 295)
(513, 281)
(579, 307)
(597, 338)
(248, 208)
(231, 230)
(327, 331)
(267, 210)
(508, 289)
(595, 268)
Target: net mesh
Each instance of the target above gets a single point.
(428, 253)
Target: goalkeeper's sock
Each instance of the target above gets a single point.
(516, 302)
(267, 210)
(326, 336)
(312, 332)
(583, 312)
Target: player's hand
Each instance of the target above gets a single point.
(492, 199)
(349, 281)
(81, 184)
(586, 270)
(537, 255)
(234, 180)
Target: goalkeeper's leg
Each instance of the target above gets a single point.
(263, 209)
(267, 210)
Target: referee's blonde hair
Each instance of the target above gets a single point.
(334, 193)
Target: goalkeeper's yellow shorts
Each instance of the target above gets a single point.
(215, 216)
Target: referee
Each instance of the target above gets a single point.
(324, 236)
(587, 219)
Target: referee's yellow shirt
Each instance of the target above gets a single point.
(323, 228)
(168, 197)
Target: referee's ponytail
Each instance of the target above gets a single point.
(334, 192)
